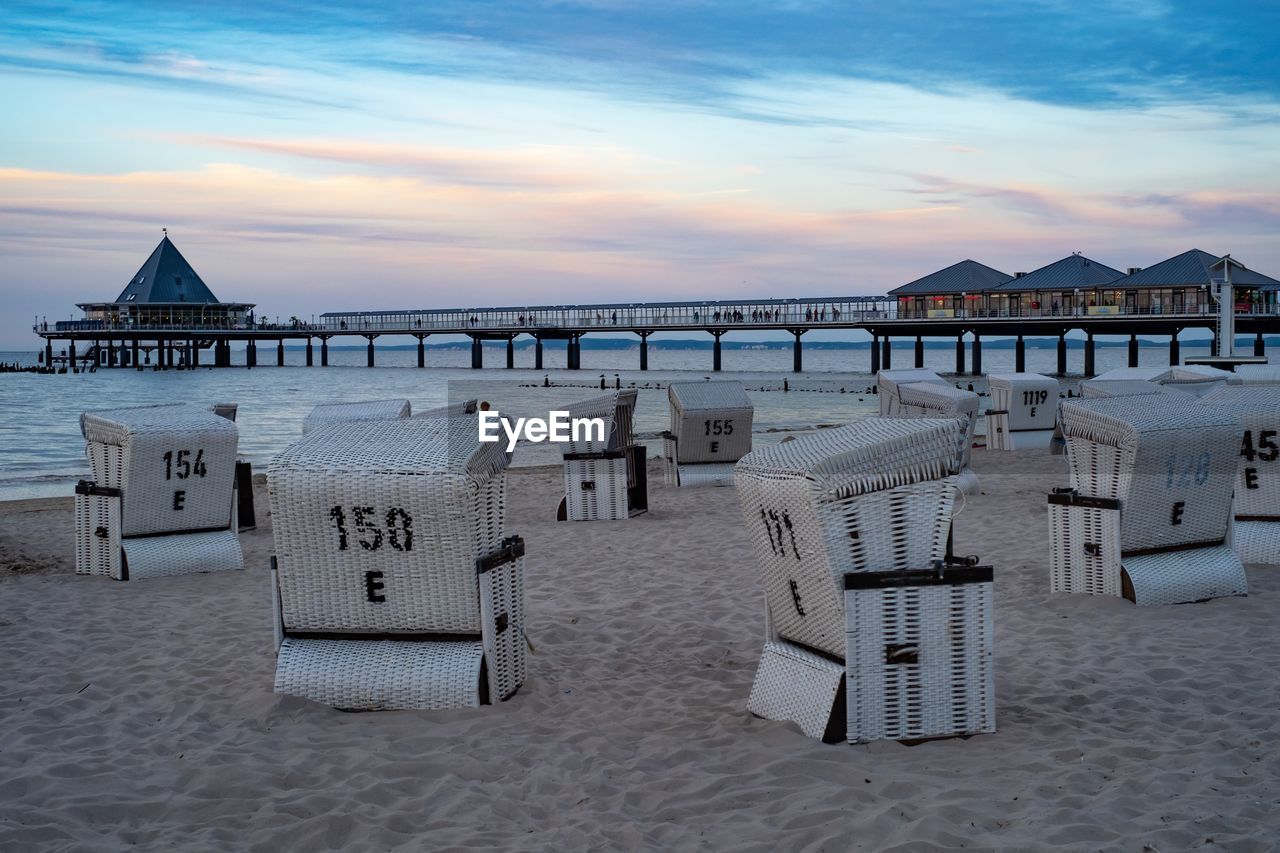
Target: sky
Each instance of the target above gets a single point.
(460, 153)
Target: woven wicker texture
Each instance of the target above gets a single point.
(946, 688)
(502, 627)
(888, 383)
(796, 685)
(711, 421)
(1171, 465)
(1084, 550)
(1091, 388)
(1257, 541)
(418, 501)
(865, 497)
(596, 489)
(705, 474)
(1258, 374)
(927, 400)
(98, 536)
(175, 465)
(1258, 409)
(375, 675)
(326, 414)
(1030, 399)
(617, 409)
(185, 553)
(450, 410)
(1180, 577)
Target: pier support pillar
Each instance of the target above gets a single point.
(1259, 346)
(511, 352)
(960, 355)
(1175, 347)
(97, 354)
(324, 352)
(537, 353)
(251, 354)
(1020, 356)
(1215, 348)
(195, 356)
(71, 356)
(919, 351)
(422, 351)
(1062, 354)
(875, 354)
(644, 350)
(886, 353)
(577, 352)
(477, 354)
(977, 354)
(310, 354)
(797, 352)
(570, 344)
(715, 351)
(1133, 350)
(369, 356)
(1088, 355)
(280, 353)
(48, 353)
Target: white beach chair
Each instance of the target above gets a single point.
(1148, 512)
(870, 631)
(889, 383)
(1023, 409)
(927, 398)
(396, 584)
(1092, 388)
(1255, 531)
(450, 410)
(326, 414)
(604, 480)
(1194, 380)
(1258, 374)
(162, 499)
(710, 431)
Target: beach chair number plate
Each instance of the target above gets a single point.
(373, 529)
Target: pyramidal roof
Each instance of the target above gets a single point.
(1192, 267)
(166, 278)
(968, 276)
(1070, 272)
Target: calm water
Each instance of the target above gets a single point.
(42, 451)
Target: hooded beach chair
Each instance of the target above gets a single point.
(710, 431)
(1255, 531)
(396, 582)
(871, 630)
(1148, 511)
(370, 410)
(162, 499)
(922, 393)
(1023, 409)
(604, 478)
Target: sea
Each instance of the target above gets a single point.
(42, 450)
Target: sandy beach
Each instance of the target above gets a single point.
(141, 715)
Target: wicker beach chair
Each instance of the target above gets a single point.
(450, 410)
(1091, 388)
(604, 480)
(710, 431)
(1023, 409)
(326, 414)
(1255, 530)
(1258, 374)
(1148, 512)
(162, 499)
(870, 631)
(246, 515)
(928, 399)
(396, 583)
(889, 383)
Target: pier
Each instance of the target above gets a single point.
(166, 311)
